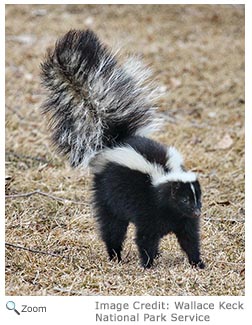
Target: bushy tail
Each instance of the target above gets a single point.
(93, 101)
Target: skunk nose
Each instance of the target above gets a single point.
(197, 213)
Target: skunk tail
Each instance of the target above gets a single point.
(94, 102)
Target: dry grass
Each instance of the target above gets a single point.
(197, 55)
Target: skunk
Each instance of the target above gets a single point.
(100, 112)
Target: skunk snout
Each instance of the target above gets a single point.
(196, 213)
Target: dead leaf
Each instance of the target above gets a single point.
(225, 143)
(225, 202)
(26, 39)
(89, 21)
(39, 12)
(212, 114)
(175, 83)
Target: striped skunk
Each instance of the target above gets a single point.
(100, 112)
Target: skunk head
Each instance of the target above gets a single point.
(183, 199)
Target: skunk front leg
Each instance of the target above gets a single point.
(188, 238)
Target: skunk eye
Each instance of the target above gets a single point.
(185, 200)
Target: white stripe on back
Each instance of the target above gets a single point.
(127, 156)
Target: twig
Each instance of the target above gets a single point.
(21, 156)
(128, 253)
(35, 250)
(224, 219)
(70, 291)
(36, 277)
(231, 263)
(14, 196)
(15, 111)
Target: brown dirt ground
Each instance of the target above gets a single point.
(197, 55)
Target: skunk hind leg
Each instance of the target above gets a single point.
(147, 247)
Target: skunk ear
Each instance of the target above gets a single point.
(174, 188)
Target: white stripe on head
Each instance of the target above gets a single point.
(194, 193)
(184, 177)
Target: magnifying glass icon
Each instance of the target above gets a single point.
(11, 306)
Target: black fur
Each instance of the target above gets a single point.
(153, 151)
(122, 195)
